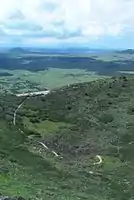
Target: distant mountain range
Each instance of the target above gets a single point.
(23, 50)
(18, 50)
(130, 51)
(57, 50)
(127, 51)
(69, 50)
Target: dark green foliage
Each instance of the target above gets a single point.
(131, 110)
(97, 119)
(106, 118)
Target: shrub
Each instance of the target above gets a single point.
(130, 110)
(106, 118)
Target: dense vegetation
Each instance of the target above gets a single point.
(78, 122)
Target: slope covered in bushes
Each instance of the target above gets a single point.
(78, 122)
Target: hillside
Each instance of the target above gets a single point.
(78, 123)
(129, 51)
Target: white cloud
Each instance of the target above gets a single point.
(83, 19)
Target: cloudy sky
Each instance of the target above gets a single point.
(93, 23)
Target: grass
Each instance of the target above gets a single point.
(23, 80)
(64, 70)
(24, 173)
(44, 127)
(113, 56)
(83, 120)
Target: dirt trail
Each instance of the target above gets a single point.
(14, 123)
(15, 113)
(41, 143)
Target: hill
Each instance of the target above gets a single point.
(81, 123)
(127, 51)
(18, 50)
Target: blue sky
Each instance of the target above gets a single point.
(91, 23)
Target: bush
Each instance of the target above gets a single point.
(106, 118)
(130, 110)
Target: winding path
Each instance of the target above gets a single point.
(15, 113)
(41, 143)
(46, 147)
(14, 123)
(100, 160)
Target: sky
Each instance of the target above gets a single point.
(73, 23)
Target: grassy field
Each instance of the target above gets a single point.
(44, 127)
(113, 56)
(22, 80)
(32, 72)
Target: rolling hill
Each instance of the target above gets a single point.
(81, 123)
